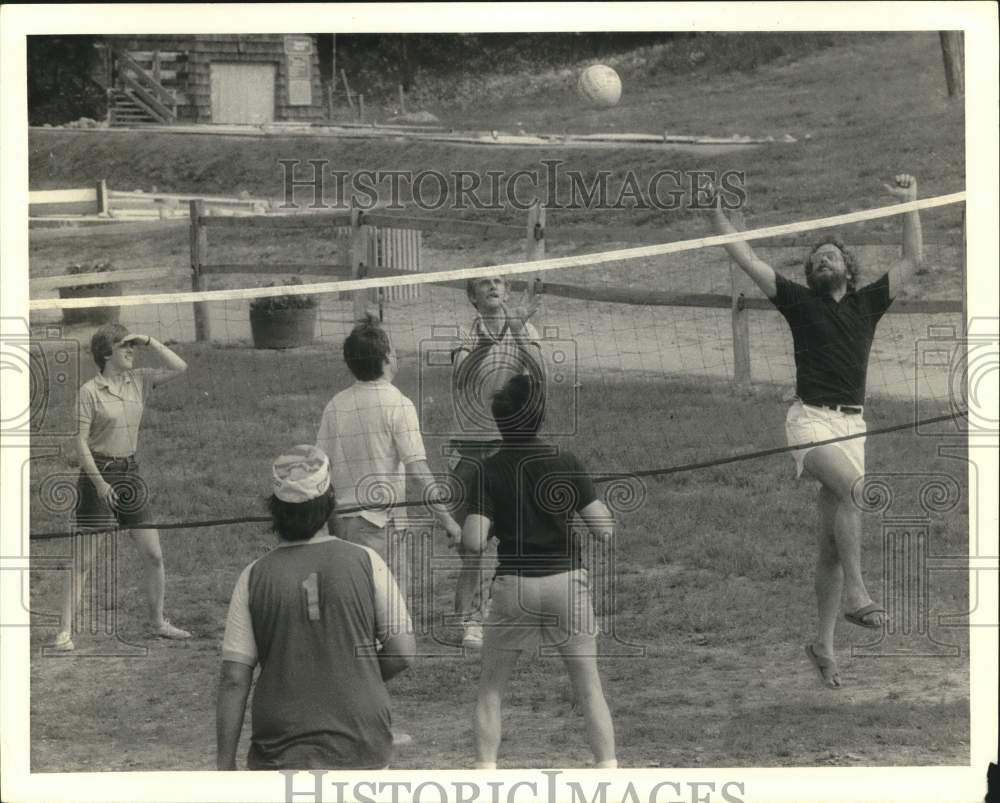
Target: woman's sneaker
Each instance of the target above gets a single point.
(167, 630)
(472, 636)
(63, 643)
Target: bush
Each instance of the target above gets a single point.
(276, 303)
(98, 267)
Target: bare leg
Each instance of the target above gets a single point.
(148, 544)
(497, 666)
(581, 664)
(74, 581)
(837, 474)
(829, 581)
(469, 588)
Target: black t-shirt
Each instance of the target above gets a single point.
(832, 339)
(530, 491)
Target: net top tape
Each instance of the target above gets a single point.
(512, 269)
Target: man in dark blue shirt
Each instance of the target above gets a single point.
(833, 324)
(529, 493)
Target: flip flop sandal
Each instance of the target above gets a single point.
(858, 617)
(827, 668)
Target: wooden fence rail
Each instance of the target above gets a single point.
(86, 279)
(364, 254)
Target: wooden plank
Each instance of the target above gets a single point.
(740, 317)
(660, 298)
(338, 270)
(147, 55)
(741, 332)
(360, 263)
(147, 98)
(279, 221)
(449, 225)
(62, 196)
(147, 85)
(65, 208)
(199, 249)
(85, 279)
(101, 191)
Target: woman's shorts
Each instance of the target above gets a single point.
(132, 508)
(555, 609)
(807, 424)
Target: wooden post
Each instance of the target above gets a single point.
(359, 261)
(156, 66)
(741, 320)
(199, 250)
(347, 89)
(965, 313)
(329, 101)
(361, 108)
(953, 51)
(102, 198)
(402, 100)
(534, 248)
(965, 278)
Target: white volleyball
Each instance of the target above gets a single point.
(600, 86)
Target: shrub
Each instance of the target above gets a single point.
(98, 267)
(276, 303)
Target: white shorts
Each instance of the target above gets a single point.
(555, 610)
(807, 424)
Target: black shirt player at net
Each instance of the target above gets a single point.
(833, 324)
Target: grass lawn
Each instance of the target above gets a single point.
(712, 579)
(711, 593)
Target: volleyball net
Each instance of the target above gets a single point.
(659, 359)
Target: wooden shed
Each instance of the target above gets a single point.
(248, 79)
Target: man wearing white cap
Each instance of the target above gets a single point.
(326, 624)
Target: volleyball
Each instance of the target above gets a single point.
(600, 86)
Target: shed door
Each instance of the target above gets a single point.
(243, 92)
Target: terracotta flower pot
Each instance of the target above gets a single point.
(283, 328)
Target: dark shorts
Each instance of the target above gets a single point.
(467, 472)
(132, 509)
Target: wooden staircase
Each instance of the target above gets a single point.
(146, 88)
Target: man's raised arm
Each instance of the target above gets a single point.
(904, 189)
(742, 254)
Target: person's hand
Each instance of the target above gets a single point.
(903, 188)
(714, 199)
(519, 312)
(454, 533)
(106, 492)
(137, 340)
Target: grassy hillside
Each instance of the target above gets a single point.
(852, 131)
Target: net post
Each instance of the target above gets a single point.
(534, 245)
(740, 319)
(199, 248)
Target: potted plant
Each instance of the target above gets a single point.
(96, 315)
(283, 322)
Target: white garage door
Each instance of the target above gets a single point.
(242, 92)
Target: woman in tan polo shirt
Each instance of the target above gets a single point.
(111, 492)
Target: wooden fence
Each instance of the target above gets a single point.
(379, 243)
(382, 243)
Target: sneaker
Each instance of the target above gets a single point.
(167, 630)
(63, 643)
(472, 636)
